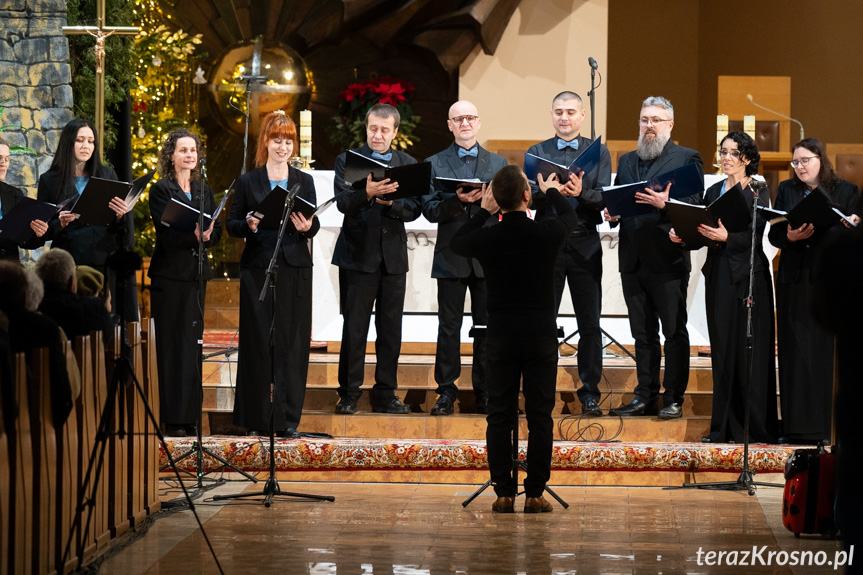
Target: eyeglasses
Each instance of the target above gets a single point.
(802, 161)
(459, 119)
(733, 153)
(651, 121)
(4, 160)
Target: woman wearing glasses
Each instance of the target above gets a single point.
(805, 348)
(9, 197)
(726, 273)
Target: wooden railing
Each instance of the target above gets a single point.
(43, 469)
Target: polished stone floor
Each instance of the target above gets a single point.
(423, 529)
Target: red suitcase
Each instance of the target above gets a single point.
(810, 492)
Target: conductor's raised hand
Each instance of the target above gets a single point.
(300, 222)
(489, 204)
(545, 184)
(118, 206)
(375, 189)
(717, 234)
(252, 221)
(655, 199)
(803, 232)
(573, 185)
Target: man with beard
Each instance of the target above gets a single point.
(654, 271)
(463, 160)
(579, 261)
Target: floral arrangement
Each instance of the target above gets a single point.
(349, 128)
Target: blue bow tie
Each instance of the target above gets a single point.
(462, 153)
(561, 144)
(385, 157)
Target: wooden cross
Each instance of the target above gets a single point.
(100, 32)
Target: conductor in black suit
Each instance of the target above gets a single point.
(371, 253)
(463, 160)
(518, 256)
(654, 271)
(579, 261)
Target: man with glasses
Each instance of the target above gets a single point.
(579, 261)
(654, 271)
(463, 160)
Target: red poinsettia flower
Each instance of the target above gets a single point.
(355, 91)
(391, 93)
(140, 107)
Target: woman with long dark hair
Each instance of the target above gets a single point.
(178, 315)
(74, 163)
(726, 273)
(805, 347)
(292, 310)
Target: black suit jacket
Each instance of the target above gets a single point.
(518, 256)
(372, 234)
(175, 256)
(447, 210)
(588, 205)
(252, 188)
(800, 255)
(644, 240)
(737, 247)
(9, 196)
(89, 244)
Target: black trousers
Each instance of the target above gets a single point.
(651, 299)
(360, 293)
(585, 288)
(293, 329)
(531, 364)
(178, 326)
(450, 298)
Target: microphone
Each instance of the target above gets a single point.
(294, 191)
(757, 105)
(592, 63)
(250, 78)
(202, 161)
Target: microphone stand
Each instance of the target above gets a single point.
(746, 480)
(592, 95)
(271, 487)
(197, 449)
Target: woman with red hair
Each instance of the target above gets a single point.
(291, 312)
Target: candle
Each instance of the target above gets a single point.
(721, 127)
(305, 133)
(749, 126)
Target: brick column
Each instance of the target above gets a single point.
(34, 83)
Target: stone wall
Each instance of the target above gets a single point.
(34, 83)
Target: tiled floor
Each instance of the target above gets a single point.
(423, 529)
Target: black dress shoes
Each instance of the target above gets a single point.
(503, 505)
(634, 407)
(591, 407)
(672, 411)
(443, 406)
(537, 505)
(709, 439)
(257, 433)
(393, 406)
(175, 430)
(290, 433)
(346, 406)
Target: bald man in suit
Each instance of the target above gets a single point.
(463, 160)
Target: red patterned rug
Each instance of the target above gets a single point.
(251, 454)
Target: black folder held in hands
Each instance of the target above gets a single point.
(620, 200)
(585, 162)
(451, 185)
(730, 207)
(270, 210)
(816, 209)
(413, 179)
(15, 225)
(92, 206)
